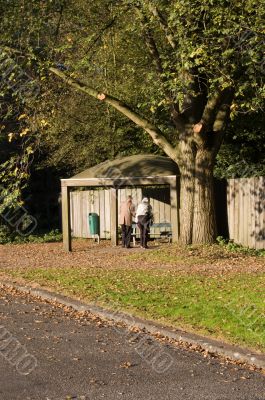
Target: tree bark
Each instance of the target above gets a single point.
(197, 209)
(204, 219)
(187, 182)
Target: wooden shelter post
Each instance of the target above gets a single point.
(114, 216)
(66, 221)
(174, 210)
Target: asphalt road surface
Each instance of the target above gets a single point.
(49, 353)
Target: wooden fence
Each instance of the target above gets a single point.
(246, 211)
(98, 201)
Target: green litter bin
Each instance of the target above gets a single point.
(93, 223)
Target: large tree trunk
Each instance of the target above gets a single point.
(197, 211)
(204, 220)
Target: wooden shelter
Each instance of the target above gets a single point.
(133, 171)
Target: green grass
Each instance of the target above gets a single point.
(229, 306)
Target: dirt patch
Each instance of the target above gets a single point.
(87, 253)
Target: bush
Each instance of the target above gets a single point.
(230, 245)
(7, 236)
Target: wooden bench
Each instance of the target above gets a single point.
(165, 231)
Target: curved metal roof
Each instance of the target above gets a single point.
(141, 165)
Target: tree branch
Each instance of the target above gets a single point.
(213, 106)
(214, 118)
(210, 109)
(163, 24)
(152, 47)
(221, 119)
(59, 21)
(156, 135)
(150, 42)
(97, 37)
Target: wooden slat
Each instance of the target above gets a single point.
(87, 211)
(107, 214)
(167, 213)
(236, 211)
(252, 240)
(75, 214)
(259, 213)
(247, 212)
(72, 217)
(90, 200)
(174, 211)
(114, 215)
(229, 201)
(161, 209)
(241, 212)
(66, 219)
(83, 216)
(231, 205)
(80, 213)
(102, 213)
(154, 203)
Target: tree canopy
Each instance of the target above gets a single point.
(180, 70)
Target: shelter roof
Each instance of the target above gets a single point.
(136, 166)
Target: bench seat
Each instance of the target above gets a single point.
(157, 230)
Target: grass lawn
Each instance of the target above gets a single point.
(228, 306)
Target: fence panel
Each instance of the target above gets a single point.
(246, 211)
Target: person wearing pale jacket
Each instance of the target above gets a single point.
(127, 212)
(144, 217)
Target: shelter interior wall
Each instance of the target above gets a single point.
(98, 201)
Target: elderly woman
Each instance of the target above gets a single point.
(127, 211)
(144, 217)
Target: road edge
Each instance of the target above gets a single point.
(212, 346)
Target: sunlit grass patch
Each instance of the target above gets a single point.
(224, 306)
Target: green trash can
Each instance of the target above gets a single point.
(93, 223)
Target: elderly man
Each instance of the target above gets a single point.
(127, 211)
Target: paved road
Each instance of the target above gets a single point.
(61, 355)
